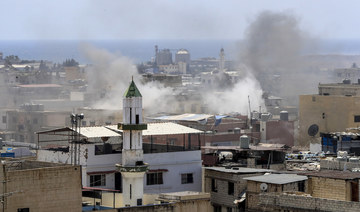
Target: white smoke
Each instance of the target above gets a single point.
(111, 74)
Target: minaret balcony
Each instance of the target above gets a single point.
(137, 168)
(122, 126)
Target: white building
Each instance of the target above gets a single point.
(169, 171)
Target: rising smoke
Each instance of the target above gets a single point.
(273, 49)
(110, 75)
(272, 52)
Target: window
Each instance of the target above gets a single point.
(137, 119)
(357, 118)
(4, 119)
(213, 185)
(83, 123)
(230, 188)
(98, 180)
(228, 209)
(92, 123)
(154, 178)
(301, 186)
(187, 178)
(23, 210)
(217, 208)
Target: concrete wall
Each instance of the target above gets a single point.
(44, 189)
(338, 165)
(291, 202)
(330, 113)
(176, 163)
(324, 188)
(221, 197)
(253, 192)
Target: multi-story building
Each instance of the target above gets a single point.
(174, 165)
(227, 186)
(334, 109)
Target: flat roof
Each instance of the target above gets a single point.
(89, 132)
(333, 174)
(239, 170)
(166, 128)
(162, 128)
(184, 117)
(40, 86)
(259, 147)
(277, 178)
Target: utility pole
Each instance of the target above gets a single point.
(76, 136)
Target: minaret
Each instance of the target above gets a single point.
(222, 60)
(132, 168)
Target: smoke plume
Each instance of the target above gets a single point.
(273, 49)
(110, 75)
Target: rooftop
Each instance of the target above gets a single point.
(184, 117)
(183, 195)
(40, 86)
(164, 128)
(277, 178)
(238, 170)
(333, 174)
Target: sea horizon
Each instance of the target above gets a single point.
(143, 50)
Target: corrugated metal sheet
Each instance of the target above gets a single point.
(185, 117)
(97, 132)
(166, 128)
(277, 178)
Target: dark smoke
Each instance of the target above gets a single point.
(273, 49)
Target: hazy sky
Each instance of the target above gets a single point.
(172, 19)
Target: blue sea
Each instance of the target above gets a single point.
(143, 50)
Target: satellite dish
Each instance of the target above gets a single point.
(313, 130)
(263, 186)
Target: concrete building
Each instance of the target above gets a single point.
(334, 109)
(325, 191)
(352, 73)
(182, 58)
(227, 186)
(163, 57)
(101, 150)
(39, 186)
(275, 183)
(323, 184)
(185, 201)
(222, 60)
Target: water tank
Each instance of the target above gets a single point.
(354, 160)
(244, 142)
(284, 116)
(347, 81)
(237, 130)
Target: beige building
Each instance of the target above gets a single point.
(272, 183)
(227, 186)
(334, 109)
(331, 191)
(40, 186)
